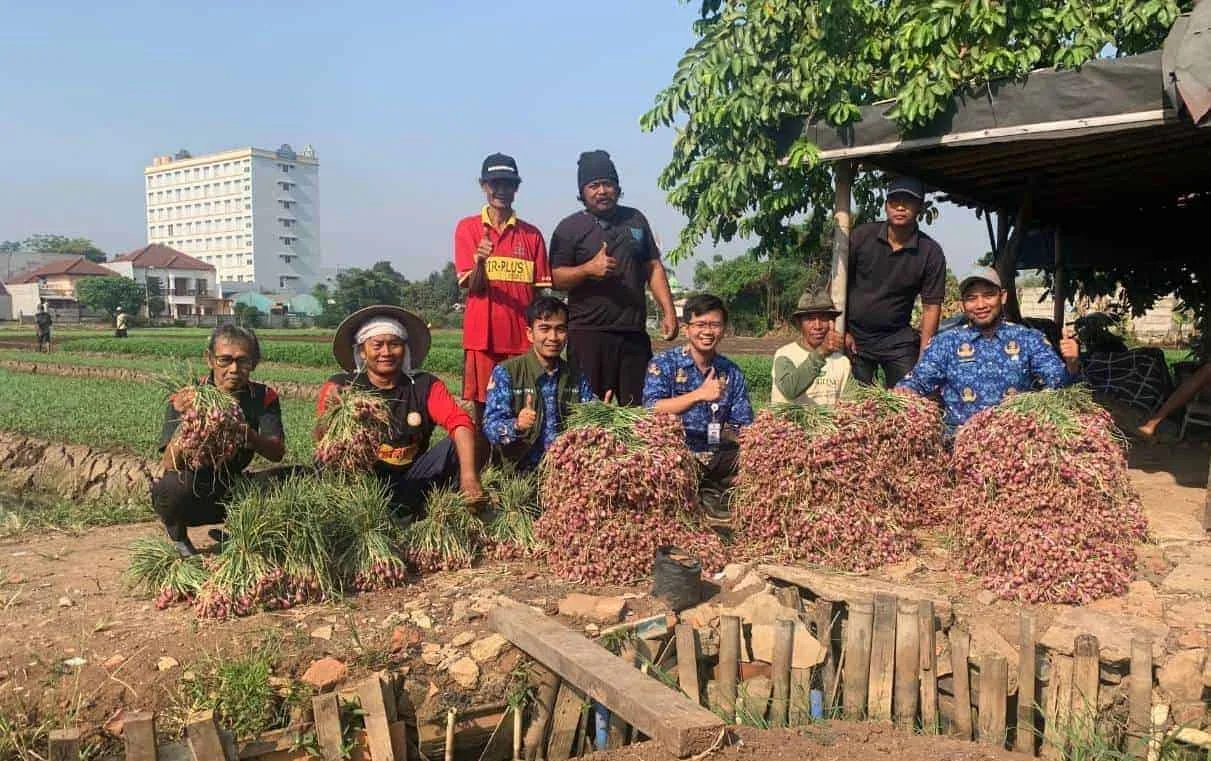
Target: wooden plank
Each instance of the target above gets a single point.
(882, 657)
(202, 735)
(790, 598)
(564, 721)
(544, 708)
(784, 643)
(378, 704)
(1156, 739)
(64, 745)
(994, 686)
(850, 589)
(907, 686)
(1056, 705)
(1140, 697)
(856, 673)
(687, 662)
(1025, 728)
(680, 725)
(619, 733)
(801, 688)
(326, 711)
(139, 736)
(960, 648)
(927, 666)
(729, 664)
(825, 614)
(1083, 708)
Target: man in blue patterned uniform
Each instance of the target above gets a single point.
(708, 391)
(979, 364)
(519, 429)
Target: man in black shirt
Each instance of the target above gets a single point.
(603, 257)
(891, 263)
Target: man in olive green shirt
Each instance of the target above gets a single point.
(812, 370)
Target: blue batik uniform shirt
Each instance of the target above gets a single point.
(975, 372)
(673, 373)
(500, 424)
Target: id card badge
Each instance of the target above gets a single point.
(713, 431)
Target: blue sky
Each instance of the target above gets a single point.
(401, 102)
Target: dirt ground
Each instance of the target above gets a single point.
(830, 741)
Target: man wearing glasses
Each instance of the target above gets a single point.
(891, 263)
(707, 390)
(501, 261)
(604, 257)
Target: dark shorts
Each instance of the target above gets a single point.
(895, 362)
(184, 498)
(437, 467)
(612, 361)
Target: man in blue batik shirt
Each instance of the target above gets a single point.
(528, 397)
(707, 390)
(979, 364)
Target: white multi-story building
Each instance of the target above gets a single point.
(252, 213)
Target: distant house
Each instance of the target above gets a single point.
(189, 286)
(52, 283)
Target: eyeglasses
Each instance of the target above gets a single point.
(243, 363)
(705, 325)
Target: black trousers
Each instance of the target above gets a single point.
(436, 468)
(719, 472)
(184, 498)
(612, 361)
(896, 362)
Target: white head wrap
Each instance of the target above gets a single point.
(377, 327)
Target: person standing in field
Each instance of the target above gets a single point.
(529, 397)
(120, 323)
(812, 370)
(604, 257)
(501, 261)
(42, 322)
(891, 264)
(978, 364)
(708, 392)
(184, 498)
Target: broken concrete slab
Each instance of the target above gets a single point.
(1114, 633)
(602, 610)
(837, 587)
(805, 653)
(1181, 678)
(1188, 578)
(1189, 612)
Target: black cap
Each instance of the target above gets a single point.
(908, 185)
(498, 166)
(593, 166)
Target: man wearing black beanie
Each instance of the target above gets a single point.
(604, 257)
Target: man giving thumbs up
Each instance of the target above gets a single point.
(529, 396)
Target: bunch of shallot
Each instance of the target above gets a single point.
(211, 428)
(355, 423)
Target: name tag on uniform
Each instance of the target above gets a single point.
(713, 432)
(508, 269)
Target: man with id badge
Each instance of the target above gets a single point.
(980, 363)
(707, 390)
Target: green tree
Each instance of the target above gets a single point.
(436, 295)
(247, 315)
(155, 296)
(106, 294)
(756, 63)
(357, 288)
(61, 244)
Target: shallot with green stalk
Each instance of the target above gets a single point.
(157, 568)
(211, 428)
(354, 422)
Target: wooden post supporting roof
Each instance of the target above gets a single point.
(1058, 284)
(843, 177)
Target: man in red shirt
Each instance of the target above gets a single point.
(501, 261)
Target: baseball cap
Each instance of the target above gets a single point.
(980, 275)
(499, 166)
(909, 185)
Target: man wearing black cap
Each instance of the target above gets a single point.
(977, 365)
(604, 256)
(891, 263)
(501, 261)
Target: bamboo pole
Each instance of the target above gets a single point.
(1084, 699)
(729, 664)
(1058, 283)
(856, 674)
(883, 657)
(540, 718)
(1140, 696)
(928, 674)
(960, 647)
(907, 686)
(994, 686)
(1024, 732)
(450, 735)
(784, 643)
(843, 175)
(517, 733)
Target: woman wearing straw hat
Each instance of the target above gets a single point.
(381, 348)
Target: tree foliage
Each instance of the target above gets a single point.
(61, 244)
(106, 294)
(434, 297)
(155, 296)
(756, 63)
